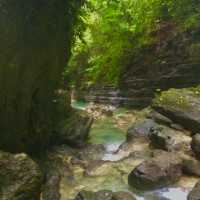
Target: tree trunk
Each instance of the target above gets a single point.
(35, 37)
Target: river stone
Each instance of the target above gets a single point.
(140, 129)
(159, 118)
(20, 177)
(75, 130)
(182, 106)
(122, 196)
(157, 172)
(104, 195)
(163, 137)
(92, 152)
(155, 197)
(191, 166)
(195, 145)
(195, 193)
(85, 195)
(100, 195)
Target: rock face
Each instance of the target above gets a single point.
(157, 172)
(100, 94)
(104, 195)
(171, 62)
(182, 106)
(35, 45)
(20, 177)
(195, 193)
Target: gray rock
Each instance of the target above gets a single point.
(140, 129)
(159, 118)
(20, 177)
(195, 193)
(104, 195)
(158, 172)
(75, 130)
(191, 166)
(122, 196)
(163, 137)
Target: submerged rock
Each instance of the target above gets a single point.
(104, 195)
(195, 193)
(20, 177)
(158, 172)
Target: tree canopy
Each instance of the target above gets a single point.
(110, 33)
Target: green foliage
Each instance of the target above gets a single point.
(112, 32)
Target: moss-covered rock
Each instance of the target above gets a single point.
(20, 177)
(180, 105)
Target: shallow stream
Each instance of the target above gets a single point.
(113, 174)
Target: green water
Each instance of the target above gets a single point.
(104, 131)
(80, 105)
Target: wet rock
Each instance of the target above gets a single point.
(195, 193)
(92, 152)
(155, 197)
(177, 127)
(20, 177)
(191, 166)
(52, 186)
(182, 106)
(166, 138)
(85, 195)
(159, 118)
(104, 195)
(122, 196)
(156, 172)
(195, 145)
(100, 195)
(75, 130)
(57, 161)
(108, 113)
(140, 129)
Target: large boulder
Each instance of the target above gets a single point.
(182, 106)
(195, 193)
(163, 169)
(163, 137)
(20, 177)
(140, 129)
